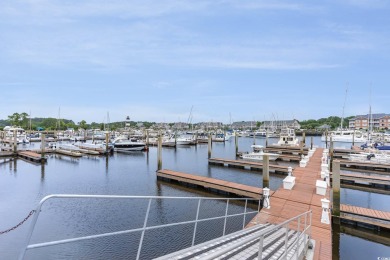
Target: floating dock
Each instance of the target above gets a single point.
(362, 179)
(215, 185)
(253, 166)
(371, 166)
(32, 156)
(367, 217)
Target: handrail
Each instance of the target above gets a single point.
(141, 229)
(260, 235)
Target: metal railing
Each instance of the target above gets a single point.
(301, 237)
(145, 226)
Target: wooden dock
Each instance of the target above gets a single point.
(286, 204)
(253, 166)
(365, 179)
(375, 167)
(32, 156)
(375, 218)
(215, 185)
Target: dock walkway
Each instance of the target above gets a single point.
(286, 204)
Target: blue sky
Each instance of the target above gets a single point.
(154, 60)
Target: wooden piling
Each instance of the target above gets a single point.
(301, 148)
(266, 137)
(304, 137)
(353, 138)
(43, 150)
(336, 189)
(311, 143)
(236, 142)
(147, 137)
(107, 134)
(209, 146)
(265, 171)
(331, 153)
(326, 138)
(15, 142)
(159, 153)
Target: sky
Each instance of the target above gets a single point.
(203, 60)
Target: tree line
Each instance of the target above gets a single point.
(23, 120)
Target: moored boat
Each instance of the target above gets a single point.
(258, 153)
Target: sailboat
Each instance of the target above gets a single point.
(344, 135)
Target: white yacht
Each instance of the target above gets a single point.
(257, 154)
(21, 137)
(121, 144)
(346, 136)
(288, 138)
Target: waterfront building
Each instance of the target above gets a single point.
(377, 121)
(279, 124)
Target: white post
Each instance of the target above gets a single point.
(290, 171)
(327, 179)
(266, 202)
(325, 211)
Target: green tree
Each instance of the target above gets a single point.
(83, 124)
(14, 119)
(24, 119)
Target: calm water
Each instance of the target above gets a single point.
(23, 185)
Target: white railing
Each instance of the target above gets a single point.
(145, 226)
(302, 237)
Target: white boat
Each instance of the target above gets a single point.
(218, 138)
(91, 147)
(228, 135)
(288, 138)
(381, 158)
(345, 136)
(21, 137)
(122, 144)
(184, 140)
(67, 149)
(257, 154)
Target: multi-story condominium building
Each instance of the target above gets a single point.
(377, 121)
(267, 124)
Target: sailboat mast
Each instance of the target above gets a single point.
(345, 100)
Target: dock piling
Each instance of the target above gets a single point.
(159, 153)
(43, 146)
(107, 142)
(15, 142)
(236, 142)
(336, 190)
(265, 170)
(311, 143)
(331, 154)
(304, 137)
(209, 146)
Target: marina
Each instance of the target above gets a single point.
(237, 176)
